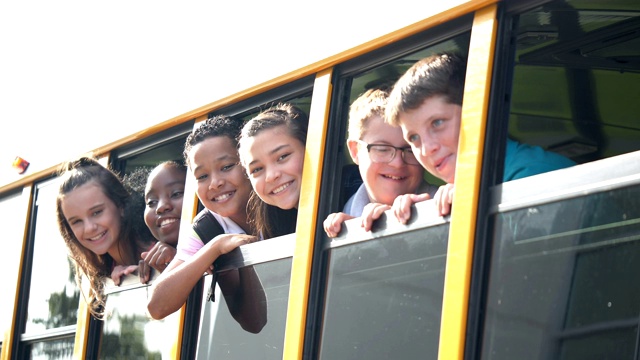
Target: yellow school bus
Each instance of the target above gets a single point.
(544, 267)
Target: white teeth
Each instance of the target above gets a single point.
(280, 188)
(394, 177)
(166, 222)
(222, 197)
(97, 237)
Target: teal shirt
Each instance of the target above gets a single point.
(524, 160)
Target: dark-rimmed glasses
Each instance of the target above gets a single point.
(383, 153)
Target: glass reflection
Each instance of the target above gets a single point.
(56, 349)
(129, 333)
(221, 337)
(53, 294)
(384, 297)
(563, 282)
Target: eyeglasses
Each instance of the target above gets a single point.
(383, 153)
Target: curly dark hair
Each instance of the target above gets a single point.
(219, 125)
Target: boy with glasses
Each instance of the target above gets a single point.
(385, 161)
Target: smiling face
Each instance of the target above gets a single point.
(433, 130)
(384, 181)
(222, 186)
(93, 218)
(163, 196)
(273, 160)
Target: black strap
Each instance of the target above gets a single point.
(207, 227)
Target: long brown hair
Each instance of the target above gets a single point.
(134, 236)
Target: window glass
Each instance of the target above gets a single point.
(53, 349)
(221, 337)
(576, 78)
(12, 248)
(563, 284)
(129, 333)
(384, 296)
(53, 294)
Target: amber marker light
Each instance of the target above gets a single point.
(20, 165)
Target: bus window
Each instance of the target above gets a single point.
(214, 331)
(15, 213)
(563, 279)
(383, 290)
(53, 295)
(576, 79)
(128, 332)
(564, 266)
(220, 336)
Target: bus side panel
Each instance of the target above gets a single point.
(14, 273)
(463, 219)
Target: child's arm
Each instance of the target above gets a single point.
(171, 289)
(245, 297)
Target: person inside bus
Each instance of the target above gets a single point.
(426, 103)
(163, 195)
(101, 222)
(271, 148)
(385, 161)
(211, 155)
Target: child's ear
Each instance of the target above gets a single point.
(353, 150)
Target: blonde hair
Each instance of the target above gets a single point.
(371, 103)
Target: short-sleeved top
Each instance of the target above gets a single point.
(190, 244)
(524, 160)
(360, 199)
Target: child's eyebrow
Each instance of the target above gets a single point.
(223, 157)
(275, 150)
(279, 148)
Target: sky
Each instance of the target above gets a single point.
(77, 75)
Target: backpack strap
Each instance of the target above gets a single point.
(207, 227)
